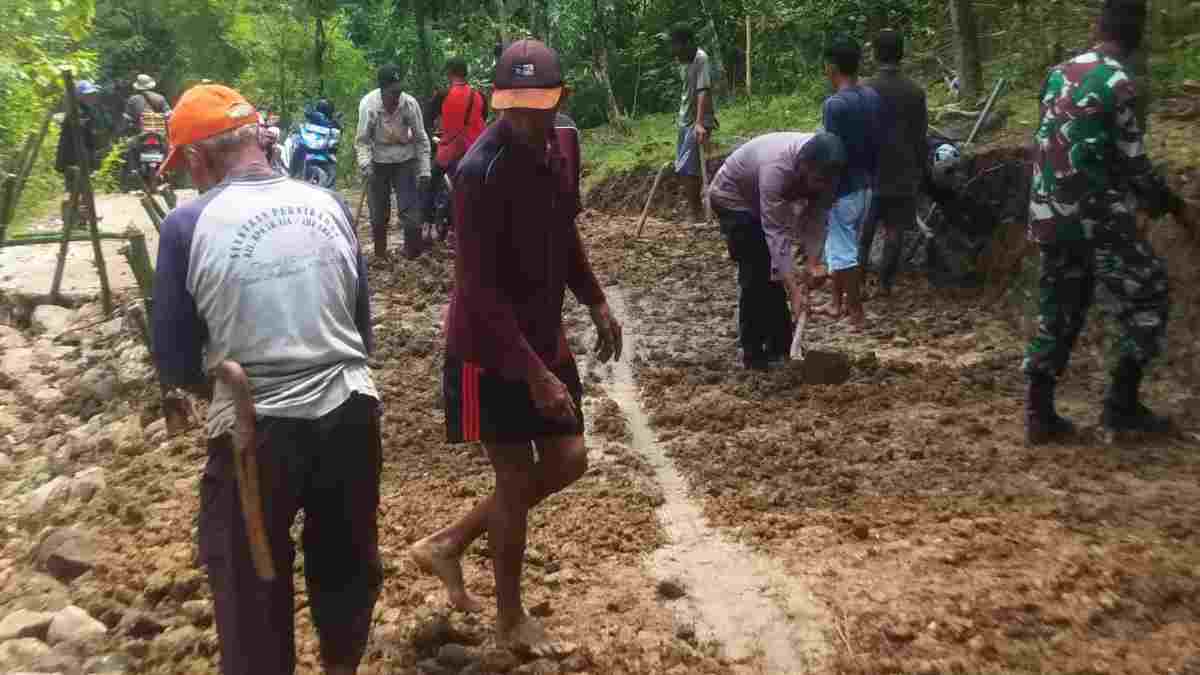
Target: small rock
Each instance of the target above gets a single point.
(99, 383)
(107, 664)
(5, 461)
(48, 497)
(431, 632)
(21, 653)
(432, 667)
(67, 552)
(672, 589)
(539, 667)
(686, 632)
(453, 655)
(156, 432)
(551, 566)
(72, 624)
(137, 624)
(899, 633)
(499, 661)
(176, 640)
(977, 644)
(50, 320)
(542, 609)
(85, 484)
(199, 612)
(24, 624)
(112, 328)
(577, 663)
(158, 585)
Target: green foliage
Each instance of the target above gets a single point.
(108, 177)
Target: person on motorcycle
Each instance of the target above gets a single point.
(320, 114)
(86, 95)
(392, 149)
(143, 99)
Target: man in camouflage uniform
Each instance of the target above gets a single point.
(1090, 176)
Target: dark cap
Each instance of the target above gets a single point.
(389, 75)
(826, 149)
(528, 75)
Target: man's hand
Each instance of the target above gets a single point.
(551, 397)
(610, 340)
(700, 133)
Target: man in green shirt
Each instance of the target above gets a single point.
(1090, 177)
(697, 112)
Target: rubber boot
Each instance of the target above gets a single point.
(1042, 423)
(1123, 411)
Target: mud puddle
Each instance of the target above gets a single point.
(741, 599)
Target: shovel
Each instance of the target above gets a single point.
(797, 353)
(245, 464)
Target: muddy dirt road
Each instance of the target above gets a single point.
(729, 523)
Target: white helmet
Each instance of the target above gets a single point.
(945, 152)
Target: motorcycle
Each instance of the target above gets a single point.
(310, 151)
(147, 152)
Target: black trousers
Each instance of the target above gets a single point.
(400, 178)
(329, 467)
(764, 321)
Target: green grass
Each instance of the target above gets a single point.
(649, 141)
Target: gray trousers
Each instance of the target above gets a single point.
(400, 178)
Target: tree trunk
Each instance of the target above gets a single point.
(319, 46)
(424, 57)
(600, 60)
(966, 42)
(501, 20)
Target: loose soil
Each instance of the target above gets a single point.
(871, 510)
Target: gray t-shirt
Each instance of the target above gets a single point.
(268, 273)
(697, 77)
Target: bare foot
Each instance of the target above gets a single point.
(828, 310)
(433, 560)
(529, 637)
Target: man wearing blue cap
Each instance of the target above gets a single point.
(86, 96)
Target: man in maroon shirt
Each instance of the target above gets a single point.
(510, 380)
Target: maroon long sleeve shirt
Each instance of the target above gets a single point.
(518, 251)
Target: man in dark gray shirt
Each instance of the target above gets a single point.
(904, 123)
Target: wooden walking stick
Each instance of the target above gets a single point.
(245, 464)
(361, 203)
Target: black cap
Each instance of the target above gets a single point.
(528, 75)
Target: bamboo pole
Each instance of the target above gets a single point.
(138, 256)
(34, 151)
(88, 197)
(650, 198)
(58, 239)
(8, 191)
(70, 216)
(153, 211)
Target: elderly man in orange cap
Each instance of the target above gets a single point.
(266, 271)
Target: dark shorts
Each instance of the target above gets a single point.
(484, 407)
(896, 211)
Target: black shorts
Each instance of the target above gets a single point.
(481, 406)
(900, 212)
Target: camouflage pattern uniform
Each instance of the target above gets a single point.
(1090, 176)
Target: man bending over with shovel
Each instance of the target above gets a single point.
(760, 195)
(266, 272)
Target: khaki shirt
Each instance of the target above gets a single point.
(391, 138)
